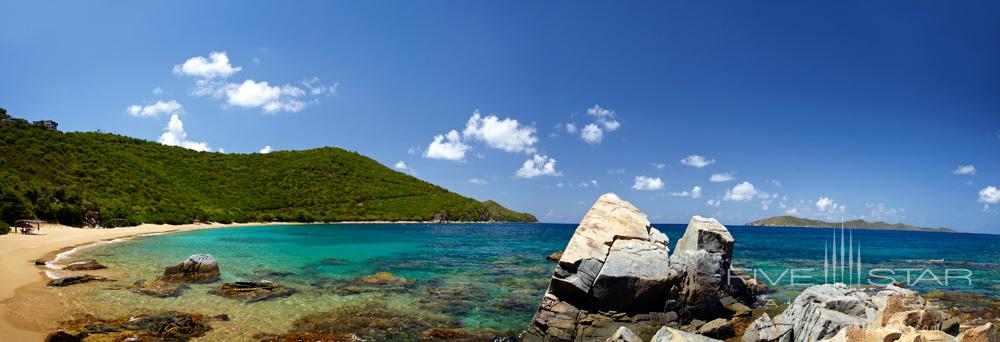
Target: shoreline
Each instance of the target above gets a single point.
(17, 263)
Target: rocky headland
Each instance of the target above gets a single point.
(617, 280)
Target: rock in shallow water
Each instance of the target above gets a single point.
(198, 268)
(72, 280)
(159, 288)
(84, 265)
(164, 326)
(249, 292)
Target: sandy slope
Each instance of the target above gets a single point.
(18, 273)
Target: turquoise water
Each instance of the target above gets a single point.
(476, 276)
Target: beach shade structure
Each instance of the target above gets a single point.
(28, 226)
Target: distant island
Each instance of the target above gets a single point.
(107, 180)
(792, 221)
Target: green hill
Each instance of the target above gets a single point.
(792, 221)
(106, 179)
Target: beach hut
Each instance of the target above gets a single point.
(28, 226)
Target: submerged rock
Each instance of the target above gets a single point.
(159, 288)
(445, 334)
(310, 337)
(249, 292)
(555, 256)
(84, 265)
(198, 268)
(384, 278)
(164, 326)
(370, 321)
(78, 279)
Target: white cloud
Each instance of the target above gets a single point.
(478, 181)
(506, 134)
(721, 177)
(157, 91)
(267, 149)
(741, 192)
(659, 166)
(989, 195)
(400, 165)
(605, 117)
(616, 171)
(697, 161)
(539, 165)
(252, 94)
(965, 170)
(448, 147)
(828, 205)
(694, 193)
(216, 65)
(775, 182)
(174, 135)
(153, 110)
(880, 211)
(571, 128)
(713, 202)
(316, 88)
(592, 134)
(647, 183)
(413, 150)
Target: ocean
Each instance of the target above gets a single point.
(487, 277)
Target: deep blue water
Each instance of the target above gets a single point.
(496, 272)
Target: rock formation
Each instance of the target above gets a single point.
(73, 280)
(198, 268)
(84, 265)
(617, 271)
(838, 313)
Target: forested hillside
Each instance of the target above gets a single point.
(110, 180)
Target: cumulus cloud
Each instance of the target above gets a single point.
(216, 65)
(539, 165)
(401, 165)
(571, 128)
(694, 193)
(647, 183)
(713, 202)
(659, 166)
(478, 181)
(506, 134)
(267, 149)
(447, 147)
(252, 94)
(605, 117)
(828, 205)
(592, 134)
(989, 195)
(697, 161)
(741, 192)
(174, 135)
(155, 109)
(965, 170)
(720, 177)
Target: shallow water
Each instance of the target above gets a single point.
(476, 276)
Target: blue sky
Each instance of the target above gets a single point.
(835, 109)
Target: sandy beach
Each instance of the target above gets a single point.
(20, 275)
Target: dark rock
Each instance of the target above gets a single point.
(164, 326)
(249, 292)
(198, 268)
(951, 326)
(40, 262)
(221, 317)
(84, 265)
(635, 278)
(62, 336)
(79, 279)
(159, 288)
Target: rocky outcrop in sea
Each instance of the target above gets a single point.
(618, 281)
(618, 277)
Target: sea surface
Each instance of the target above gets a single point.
(481, 276)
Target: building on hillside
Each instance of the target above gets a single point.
(48, 124)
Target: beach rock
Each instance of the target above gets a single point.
(198, 268)
(609, 219)
(766, 330)
(718, 328)
(83, 265)
(40, 262)
(623, 334)
(159, 288)
(667, 334)
(78, 279)
(635, 278)
(62, 336)
(706, 234)
(983, 333)
(555, 256)
(912, 335)
(249, 292)
(874, 334)
(951, 326)
(922, 319)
